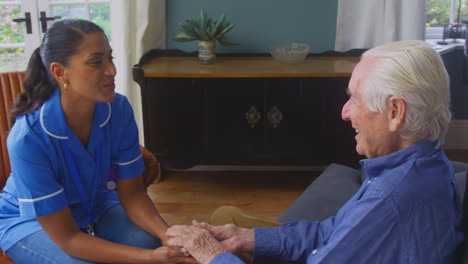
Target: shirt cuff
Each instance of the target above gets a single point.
(226, 258)
(43, 205)
(267, 243)
(130, 169)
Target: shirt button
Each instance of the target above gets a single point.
(369, 181)
(314, 251)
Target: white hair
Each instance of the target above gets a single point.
(413, 71)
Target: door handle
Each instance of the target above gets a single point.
(43, 18)
(27, 19)
(275, 116)
(252, 116)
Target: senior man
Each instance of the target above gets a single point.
(407, 211)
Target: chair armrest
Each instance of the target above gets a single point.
(152, 171)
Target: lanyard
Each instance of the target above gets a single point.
(79, 186)
(111, 182)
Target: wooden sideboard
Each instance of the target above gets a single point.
(246, 110)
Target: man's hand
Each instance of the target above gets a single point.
(233, 238)
(172, 255)
(200, 243)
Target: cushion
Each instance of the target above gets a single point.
(460, 169)
(460, 178)
(325, 195)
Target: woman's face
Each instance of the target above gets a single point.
(90, 72)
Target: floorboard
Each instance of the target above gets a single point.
(183, 196)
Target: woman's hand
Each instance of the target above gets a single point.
(200, 243)
(233, 238)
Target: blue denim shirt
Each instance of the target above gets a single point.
(407, 211)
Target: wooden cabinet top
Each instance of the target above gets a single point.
(248, 67)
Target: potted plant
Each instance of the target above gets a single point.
(207, 31)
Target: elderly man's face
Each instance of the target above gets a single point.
(373, 135)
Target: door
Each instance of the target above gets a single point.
(234, 127)
(23, 23)
(329, 138)
(284, 120)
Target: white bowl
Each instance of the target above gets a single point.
(290, 52)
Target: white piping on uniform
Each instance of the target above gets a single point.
(41, 118)
(41, 198)
(128, 162)
(108, 116)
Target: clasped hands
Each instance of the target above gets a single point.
(203, 241)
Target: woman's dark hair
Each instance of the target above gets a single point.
(60, 42)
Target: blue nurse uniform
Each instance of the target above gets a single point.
(41, 182)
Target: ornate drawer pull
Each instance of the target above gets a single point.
(275, 116)
(253, 116)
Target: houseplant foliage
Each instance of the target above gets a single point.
(207, 31)
(205, 28)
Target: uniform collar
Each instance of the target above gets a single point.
(53, 121)
(377, 166)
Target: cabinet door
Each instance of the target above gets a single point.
(284, 118)
(329, 138)
(172, 116)
(233, 121)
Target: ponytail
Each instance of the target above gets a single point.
(38, 87)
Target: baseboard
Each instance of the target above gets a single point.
(457, 136)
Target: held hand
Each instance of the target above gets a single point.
(172, 255)
(198, 242)
(233, 238)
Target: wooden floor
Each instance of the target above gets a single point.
(183, 196)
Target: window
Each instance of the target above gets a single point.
(440, 12)
(97, 11)
(16, 44)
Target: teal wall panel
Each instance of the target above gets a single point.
(260, 24)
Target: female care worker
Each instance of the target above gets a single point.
(75, 194)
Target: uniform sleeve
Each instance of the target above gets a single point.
(38, 186)
(292, 241)
(128, 158)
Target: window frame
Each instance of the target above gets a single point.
(437, 32)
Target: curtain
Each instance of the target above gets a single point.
(363, 24)
(137, 26)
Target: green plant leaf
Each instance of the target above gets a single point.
(183, 37)
(188, 28)
(205, 28)
(208, 28)
(203, 23)
(197, 28)
(218, 23)
(224, 31)
(222, 40)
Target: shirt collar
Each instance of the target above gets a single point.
(377, 166)
(53, 121)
